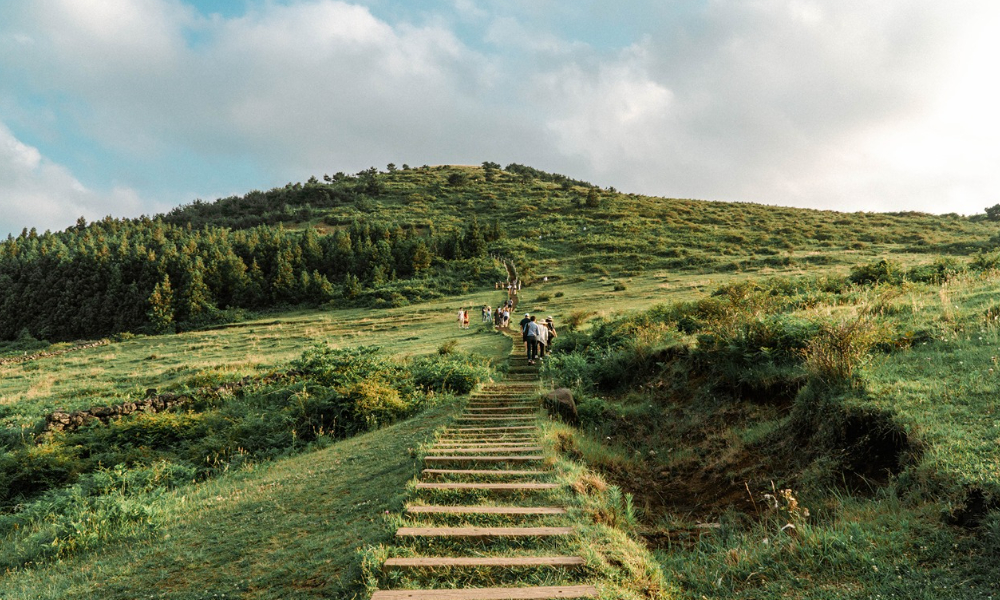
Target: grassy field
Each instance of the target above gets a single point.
(720, 353)
(287, 529)
(891, 474)
(125, 370)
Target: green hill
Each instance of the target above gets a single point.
(800, 402)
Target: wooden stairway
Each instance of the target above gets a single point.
(495, 432)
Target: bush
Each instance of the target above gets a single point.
(569, 369)
(108, 505)
(452, 374)
(883, 271)
(577, 318)
(937, 272)
(838, 349)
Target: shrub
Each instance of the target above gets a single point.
(838, 349)
(374, 404)
(569, 369)
(986, 261)
(451, 374)
(577, 318)
(883, 271)
(937, 272)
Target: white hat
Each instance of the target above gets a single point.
(527, 315)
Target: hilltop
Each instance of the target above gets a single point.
(800, 402)
(411, 234)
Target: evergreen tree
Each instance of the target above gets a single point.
(161, 306)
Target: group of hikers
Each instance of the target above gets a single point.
(499, 316)
(537, 335)
(512, 287)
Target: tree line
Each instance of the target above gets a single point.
(119, 275)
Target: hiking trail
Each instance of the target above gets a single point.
(483, 510)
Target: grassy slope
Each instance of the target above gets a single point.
(282, 530)
(694, 455)
(125, 370)
(660, 249)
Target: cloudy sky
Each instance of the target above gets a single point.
(126, 107)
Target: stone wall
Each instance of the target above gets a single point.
(153, 403)
(13, 360)
(63, 421)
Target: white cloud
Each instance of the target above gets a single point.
(612, 114)
(35, 192)
(848, 105)
(290, 88)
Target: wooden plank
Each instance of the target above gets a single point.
(487, 510)
(499, 438)
(467, 444)
(490, 450)
(483, 429)
(484, 561)
(468, 417)
(491, 419)
(480, 437)
(531, 485)
(487, 435)
(496, 472)
(483, 532)
(494, 458)
(465, 419)
(523, 593)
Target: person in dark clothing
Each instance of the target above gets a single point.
(531, 333)
(522, 324)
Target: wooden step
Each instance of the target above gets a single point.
(483, 532)
(492, 561)
(491, 472)
(522, 593)
(484, 442)
(493, 458)
(477, 444)
(510, 435)
(488, 486)
(494, 418)
(491, 434)
(484, 438)
(509, 418)
(482, 429)
(487, 510)
(489, 450)
(500, 409)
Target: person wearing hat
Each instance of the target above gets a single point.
(552, 331)
(543, 339)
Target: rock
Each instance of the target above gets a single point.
(560, 403)
(102, 411)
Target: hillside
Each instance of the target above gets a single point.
(799, 402)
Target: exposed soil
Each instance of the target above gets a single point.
(875, 449)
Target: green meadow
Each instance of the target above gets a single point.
(773, 402)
